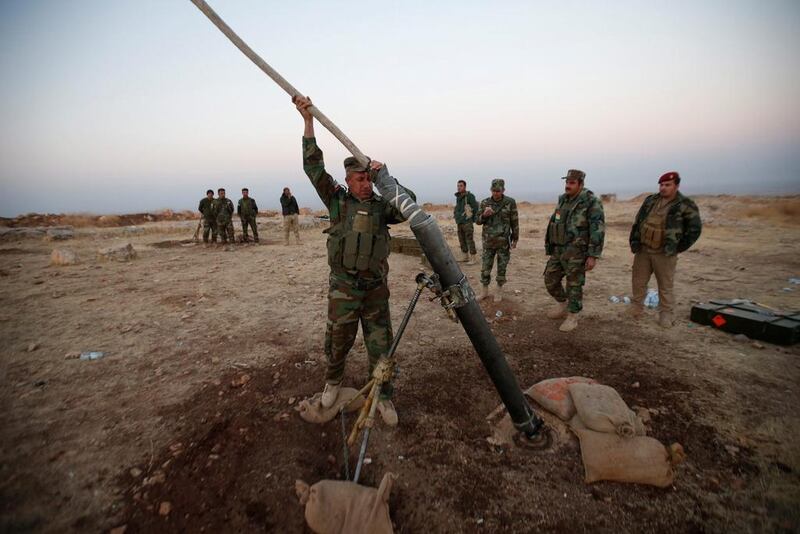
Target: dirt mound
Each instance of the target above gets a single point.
(84, 220)
(781, 211)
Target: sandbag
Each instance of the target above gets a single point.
(342, 507)
(553, 395)
(311, 409)
(637, 459)
(603, 410)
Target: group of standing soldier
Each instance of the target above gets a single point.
(667, 224)
(217, 216)
(358, 248)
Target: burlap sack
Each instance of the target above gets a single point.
(553, 395)
(603, 410)
(339, 507)
(638, 459)
(311, 409)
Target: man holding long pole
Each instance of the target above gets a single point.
(358, 249)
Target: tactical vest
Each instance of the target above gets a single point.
(558, 226)
(653, 229)
(359, 239)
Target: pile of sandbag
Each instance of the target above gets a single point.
(312, 411)
(614, 444)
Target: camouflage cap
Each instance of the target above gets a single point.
(574, 174)
(352, 164)
(498, 184)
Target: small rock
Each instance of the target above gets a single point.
(216, 448)
(59, 233)
(733, 450)
(635, 385)
(135, 472)
(757, 345)
(164, 508)
(72, 355)
(32, 347)
(124, 252)
(332, 459)
(292, 400)
(741, 338)
(118, 530)
(158, 477)
(64, 257)
(241, 381)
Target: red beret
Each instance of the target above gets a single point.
(667, 176)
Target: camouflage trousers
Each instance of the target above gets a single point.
(573, 268)
(251, 222)
(209, 228)
(466, 237)
(352, 301)
(225, 230)
(503, 257)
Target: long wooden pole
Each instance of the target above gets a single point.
(280, 80)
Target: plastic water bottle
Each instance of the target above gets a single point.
(614, 299)
(626, 299)
(651, 300)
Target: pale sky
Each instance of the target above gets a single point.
(122, 106)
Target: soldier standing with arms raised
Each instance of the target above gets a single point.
(465, 214)
(667, 224)
(247, 211)
(500, 219)
(206, 208)
(574, 241)
(358, 250)
(223, 209)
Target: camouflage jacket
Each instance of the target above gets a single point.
(222, 209)
(502, 227)
(205, 207)
(466, 210)
(338, 200)
(683, 224)
(579, 223)
(247, 208)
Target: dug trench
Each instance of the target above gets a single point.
(234, 466)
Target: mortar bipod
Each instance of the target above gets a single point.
(383, 373)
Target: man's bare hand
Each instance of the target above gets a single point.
(590, 263)
(375, 165)
(302, 103)
(488, 212)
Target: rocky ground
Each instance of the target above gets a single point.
(187, 423)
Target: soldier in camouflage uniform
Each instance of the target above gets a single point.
(358, 250)
(223, 210)
(500, 219)
(667, 224)
(574, 241)
(247, 211)
(465, 213)
(209, 220)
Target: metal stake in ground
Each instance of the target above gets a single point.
(435, 248)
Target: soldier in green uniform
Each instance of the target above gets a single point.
(465, 213)
(667, 224)
(223, 210)
(358, 250)
(500, 219)
(574, 242)
(247, 211)
(209, 220)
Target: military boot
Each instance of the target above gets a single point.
(387, 411)
(484, 293)
(665, 319)
(558, 311)
(329, 395)
(498, 295)
(570, 323)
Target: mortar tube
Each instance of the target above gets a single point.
(433, 244)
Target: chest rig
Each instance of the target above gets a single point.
(358, 238)
(558, 225)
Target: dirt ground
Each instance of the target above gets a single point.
(208, 351)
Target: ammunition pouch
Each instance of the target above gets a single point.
(558, 233)
(360, 240)
(652, 236)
